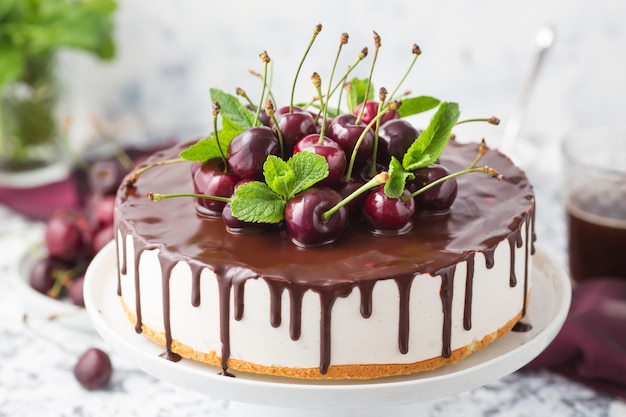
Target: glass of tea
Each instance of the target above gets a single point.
(595, 196)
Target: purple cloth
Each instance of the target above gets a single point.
(591, 346)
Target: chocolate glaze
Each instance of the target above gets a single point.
(485, 213)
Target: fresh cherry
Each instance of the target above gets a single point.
(346, 188)
(304, 217)
(67, 236)
(330, 150)
(294, 126)
(441, 196)
(93, 369)
(248, 151)
(102, 236)
(371, 110)
(388, 215)
(395, 137)
(210, 179)
(105, 176)
(41, 276)
(76, 291)
(100, 210)
(346, 133)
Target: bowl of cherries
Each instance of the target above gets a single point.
(52, 272)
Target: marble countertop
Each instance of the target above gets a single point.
(36, 375)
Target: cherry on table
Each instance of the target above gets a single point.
(93, 369)
(304, 222)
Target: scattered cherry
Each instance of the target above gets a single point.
(303, 217)
(67, 236)
(248, 151)
(93, 369)
(41, 276)
(388, 215)
(441, 196)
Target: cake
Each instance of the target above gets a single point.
(373, 301)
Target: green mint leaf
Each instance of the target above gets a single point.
(397, 179)
(433, 140)
(358, 87)
(309, 168)
(279, 176)
(232, 108)
(256, 202)
(207, 148)
(416, 105)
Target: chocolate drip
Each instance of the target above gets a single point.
(404, 290)
(196, 274)
(366, 288)
(167, 265)
(485, 213)
(447, 294)
(469, 292)
(515, 241)
(295, 324)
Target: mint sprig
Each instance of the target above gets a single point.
(432, 141)
(233, 109)
(264, 202)
(394, 187)
(416, 105)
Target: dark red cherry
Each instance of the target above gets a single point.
(388, 215)
(263, 117)
(303, 217)
(211, 179)
(371, 110)
(441, 196)
(330, 150)
(76, 291)
(346, 133)
(102, 236)
(41, 277)
(346, 188)
(105, 176)
(93, 369)
(67, 236)
(394, 138)
(100, 210)
(248, 151)
(294, 126)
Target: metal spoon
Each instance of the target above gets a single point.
(543, 41)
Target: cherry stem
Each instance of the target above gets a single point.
(487, 170)
(491, 120)
(316, 31)
(268, 84)
(416, 51)
(132, 178)
(120, 154)
(342, 41)
(378, 179)
(269, 110)
(369, 78)
(391, 106)
(375, 147)
(216, 112)
(317, 83)
(156, 197)
(265, 58)
(342, 81)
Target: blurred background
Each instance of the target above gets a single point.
(170, 52)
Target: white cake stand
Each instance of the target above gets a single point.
(253, 395)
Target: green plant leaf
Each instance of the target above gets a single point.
(433, 140)
(397, 179)
(309, 169)
(206, 148)
(11, 65)
(233, 109)
(416, 105)
(358, 88)
(256, 202)
(279, 176)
